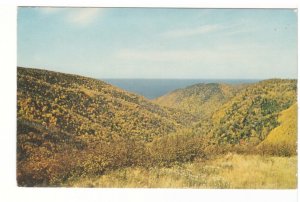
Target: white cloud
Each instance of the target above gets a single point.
(178, 55)
(76, 16)
(224, 29)
(50, 10)
(192, 31)
(83, 16)
(226, 61)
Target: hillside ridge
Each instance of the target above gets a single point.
(71, 126)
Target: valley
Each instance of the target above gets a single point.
(78, 131)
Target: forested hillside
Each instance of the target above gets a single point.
(235, 114)
(84, 106)
(71, 127)
(253, 112)
(200, 99)
(282, 140)
(66, 120)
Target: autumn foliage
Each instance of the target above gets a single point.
(71, 127)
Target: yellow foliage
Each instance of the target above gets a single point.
(282, 139)
(200, 99)
(73, 127)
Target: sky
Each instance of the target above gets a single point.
(159, 43)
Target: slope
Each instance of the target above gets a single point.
(250, 115)
(63, 117)
(199, 99)
(282, 140)
(84, 106)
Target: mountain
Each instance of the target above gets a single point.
(282, 140)
(253, 112)
(63, 117)
(234, 114)
(71, 127)
(84, 106)
(199, 99)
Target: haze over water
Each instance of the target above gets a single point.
(153, 88)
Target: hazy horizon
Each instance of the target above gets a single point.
(131, 78)
(154, 88)
(158, 43)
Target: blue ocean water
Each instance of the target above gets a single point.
(153, 88)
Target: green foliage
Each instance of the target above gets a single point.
(71, 127)
(253, 112)
(282, 140)
(82, 106)
(201, 100)
(180, 147)
(75, 126)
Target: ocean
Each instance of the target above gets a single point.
(153, 88)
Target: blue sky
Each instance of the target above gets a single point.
(160, 43)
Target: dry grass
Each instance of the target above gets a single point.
(282, 140)
(258, 171)
(230, 171)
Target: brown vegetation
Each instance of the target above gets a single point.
(71, 127)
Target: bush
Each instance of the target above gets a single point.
(176, 148)
(282, 149)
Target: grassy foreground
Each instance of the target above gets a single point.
(228, 171)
